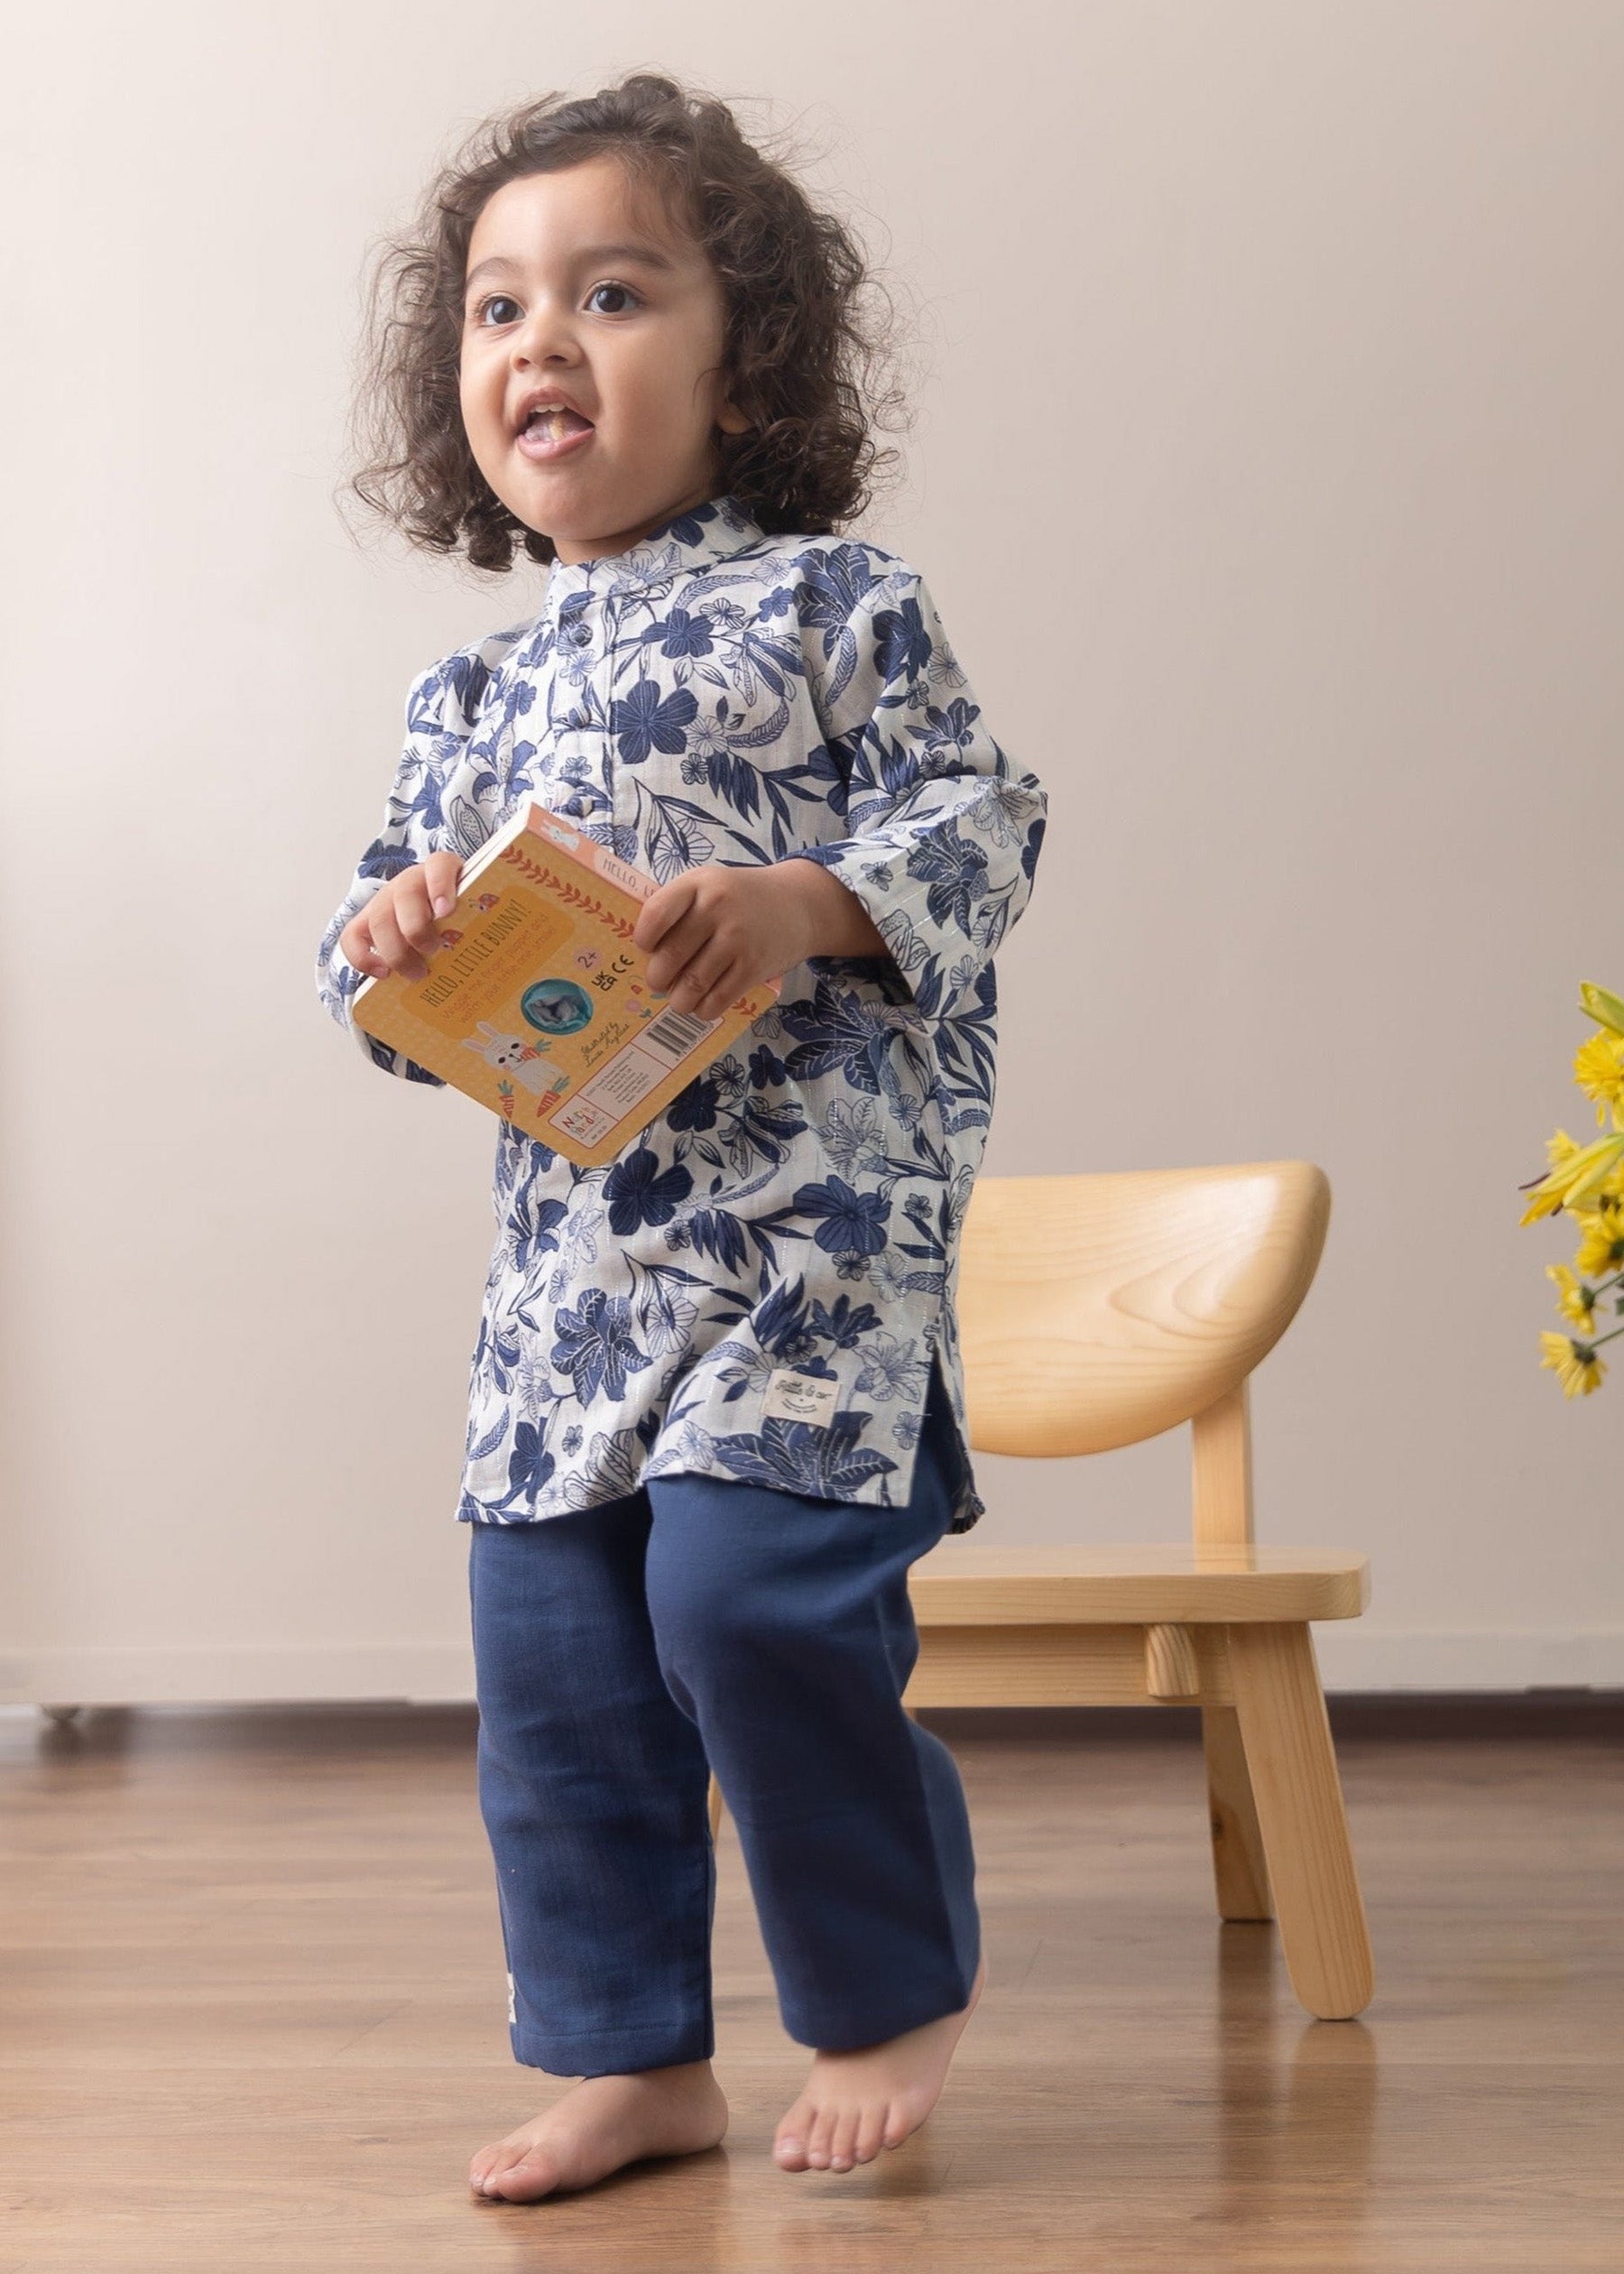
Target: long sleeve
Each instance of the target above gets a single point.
(942, 832)
(414, 825)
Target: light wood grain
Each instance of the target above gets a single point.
(973, 1586)
(1240, 1868)
(1171, 1671)
(1095, 1310)
(1033, 1665)
(1283, 1728)
(1221, 1484)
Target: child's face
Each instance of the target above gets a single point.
(633, 345)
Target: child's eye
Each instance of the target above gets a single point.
(495, 300)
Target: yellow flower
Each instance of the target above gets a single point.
(1574, 1300)
(1559, 1151)
(1598, 1070)
(1597, 1003)
(1601, 1250)
(1575, 1173)
(1575, 1363)
(1592, 1170)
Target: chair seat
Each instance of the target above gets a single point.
(971, 1586)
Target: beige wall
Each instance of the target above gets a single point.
(1268, 476)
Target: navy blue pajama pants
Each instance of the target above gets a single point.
(699, 1622)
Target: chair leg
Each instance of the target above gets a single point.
(1280, 1709)
(1239, 1869)
(716, 1807)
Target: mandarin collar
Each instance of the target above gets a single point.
(715, 531)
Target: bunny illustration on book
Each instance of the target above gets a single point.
(511, 1054)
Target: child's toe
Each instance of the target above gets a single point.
(871, 2132)
(531, 2173)
(842, 2141)
(789, 2145)
(817, 2139)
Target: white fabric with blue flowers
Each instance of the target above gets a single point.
(755, 1286)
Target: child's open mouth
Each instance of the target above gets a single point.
(549, 434)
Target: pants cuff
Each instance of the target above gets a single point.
(614, 2052)
(846, 2032)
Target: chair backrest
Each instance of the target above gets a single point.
(1097, 1309)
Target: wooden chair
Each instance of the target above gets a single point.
(1095, 1311)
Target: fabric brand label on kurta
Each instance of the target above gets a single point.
(756, 1287)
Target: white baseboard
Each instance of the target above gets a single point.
(1355, 1657)
(1352, 1657)
(318, 1673)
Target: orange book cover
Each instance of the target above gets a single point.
(537, 1003)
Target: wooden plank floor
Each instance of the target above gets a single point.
(254, 2017)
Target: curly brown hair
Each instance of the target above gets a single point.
(806, 359)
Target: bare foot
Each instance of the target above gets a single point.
(856, 2103)
(600, 2124)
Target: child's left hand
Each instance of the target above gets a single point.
(721, 929)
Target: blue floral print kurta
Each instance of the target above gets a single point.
(755, 1286)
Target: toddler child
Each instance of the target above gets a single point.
(716, 1406)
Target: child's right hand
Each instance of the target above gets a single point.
(398, 929)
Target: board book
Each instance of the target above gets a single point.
(537, 1003)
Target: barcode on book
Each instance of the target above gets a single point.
(676, 1033)
(631, 1074)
